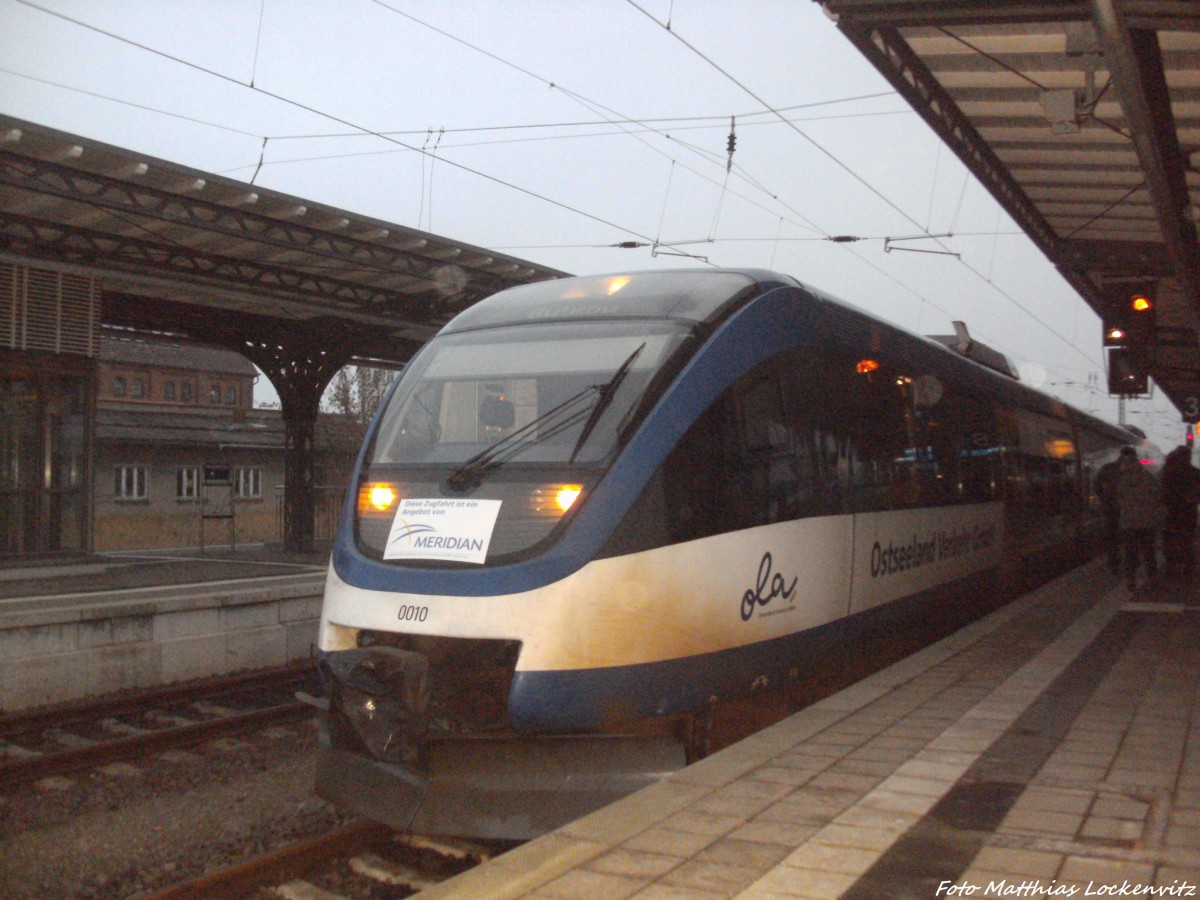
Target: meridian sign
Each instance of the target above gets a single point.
(458, 530)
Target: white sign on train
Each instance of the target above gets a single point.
(458, 530)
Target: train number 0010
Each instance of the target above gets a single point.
(412, 613)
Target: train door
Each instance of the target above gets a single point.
(783, 532)
(824, 533)
(878, 467)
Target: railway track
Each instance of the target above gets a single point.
(68, 739)
(364, 859)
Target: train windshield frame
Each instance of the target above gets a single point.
(505, 422)
(556, 394)
(522, 420)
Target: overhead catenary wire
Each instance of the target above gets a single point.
(886, 200)
(713, 121)
(317, 112)
(666, 199)
(716, 120)
(615, 118)
(130, 103)
(623, 132)
(832, 157)
(364, 129)
(262, 8)
(368, 131)
(832, 239)
(373, 132)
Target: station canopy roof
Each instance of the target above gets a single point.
(1082, 118)
(174, 248)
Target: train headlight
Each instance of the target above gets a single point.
(554, 499)
(377, 498)
(567, 495)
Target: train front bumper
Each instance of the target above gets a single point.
(379, 758)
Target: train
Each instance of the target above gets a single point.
(594, 509)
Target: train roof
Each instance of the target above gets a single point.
(693, 295)
(707, 295)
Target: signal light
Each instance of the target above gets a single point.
(1130, 318)
(1141, 318)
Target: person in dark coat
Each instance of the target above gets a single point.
(1180, 493)
(1106, 493)
(1139, 502)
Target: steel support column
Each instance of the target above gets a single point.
(300, 367)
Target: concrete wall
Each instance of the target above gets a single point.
(56, 649)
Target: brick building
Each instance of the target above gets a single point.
(182, 459)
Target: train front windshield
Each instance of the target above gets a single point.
(494, 435)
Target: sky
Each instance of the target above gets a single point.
(557, 130)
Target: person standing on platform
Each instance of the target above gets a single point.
(1139, 502)
(1180, 494)
(1106, 493)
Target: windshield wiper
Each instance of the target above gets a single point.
(607, 392)
(553, 421)
(550, 423)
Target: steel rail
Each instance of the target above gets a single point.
(23, 770)
(138, 701)
(284, 864)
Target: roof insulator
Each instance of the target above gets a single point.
(731, 144)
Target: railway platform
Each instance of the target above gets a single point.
(106, 623)
(1051, 749)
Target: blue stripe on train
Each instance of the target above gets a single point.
(599, 699)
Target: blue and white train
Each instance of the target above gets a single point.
(594, 508)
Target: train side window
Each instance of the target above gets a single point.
(833, 469)
(1044, 470)
(693, 477)
(767, 470)
(749, 460)
(980, 456)
(868, 412)
(931, 428)
(961, 434)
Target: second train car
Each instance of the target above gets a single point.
(592, 508)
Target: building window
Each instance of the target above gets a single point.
(185, 392)
(187, 482)
(230, 395)
(214, 393)
(118, 386)
(138, 388)
(249, 482)
(130, 483)
(169, 390)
